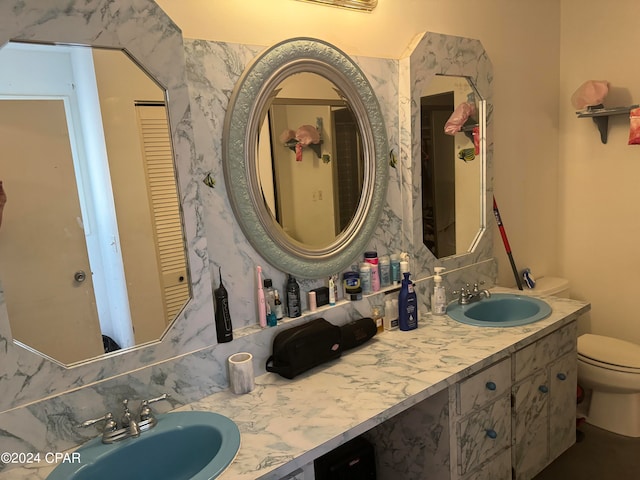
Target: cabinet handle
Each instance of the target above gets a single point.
(561, 376)
(492, 433)
(491, 386)
(543, 388)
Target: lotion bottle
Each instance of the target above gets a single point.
(222, 316)
(294, 309)
(439, 295)
(407, 305)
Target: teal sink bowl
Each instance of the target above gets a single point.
(183, 445)
(500, 310)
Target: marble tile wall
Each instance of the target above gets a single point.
(43, 402)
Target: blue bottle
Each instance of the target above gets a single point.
(407, 305)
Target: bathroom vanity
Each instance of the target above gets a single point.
(449, 400)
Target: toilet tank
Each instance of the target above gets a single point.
(556, 286)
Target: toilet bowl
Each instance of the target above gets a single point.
(610, 367)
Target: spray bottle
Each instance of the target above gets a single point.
(439, 295)
(222, 315)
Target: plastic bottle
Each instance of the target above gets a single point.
(390, 320)
(385, 271)
(268, 294)
(333, 290)
(404, 263)
(376, 314)
(371, 257)
(222, 316)
(439, 295)
(407, 305)
(395, 268)
(365, 277)
(278, 309)
(262, 303)
(293, 298)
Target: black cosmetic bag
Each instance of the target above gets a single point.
(301, 348)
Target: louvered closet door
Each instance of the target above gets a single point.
(165, 206)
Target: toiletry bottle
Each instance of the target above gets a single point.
(385, 271)
(404, 264)
(278, 309)
(269, 295)
(439, 296)
(390, 320)
(293, 298)
(262, 303)
(371, 257)
(407, 305)
(365, 278)
(395, 268)
(333, 290)
(222, 315)
(376, 314)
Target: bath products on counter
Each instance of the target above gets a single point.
(385, 271)
(377, 316)
(371, 257)
(269, 294)
(395, 268)
(333, 290)
(262, 303)
(407, 305)
(294, 308)
(390, 320)
(222, 316)
(278, 308)
(365, 277)
(439, 295)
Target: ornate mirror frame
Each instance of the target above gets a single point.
(243, 120)
(150, 37)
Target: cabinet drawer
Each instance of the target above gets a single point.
(538, 354)
(483, 434)
(483, 387)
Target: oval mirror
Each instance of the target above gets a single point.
(304, 155)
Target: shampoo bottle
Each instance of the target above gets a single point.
(222, 316)
(439, 295)
(407, 305)
(294, 308)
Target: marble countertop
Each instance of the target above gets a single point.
(285, 424)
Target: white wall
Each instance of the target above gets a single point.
(599, 200)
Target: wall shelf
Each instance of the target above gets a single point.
(600, 116)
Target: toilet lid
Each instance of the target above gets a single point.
(612, 351)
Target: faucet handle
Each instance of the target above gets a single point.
(109, 426)
(145, 410)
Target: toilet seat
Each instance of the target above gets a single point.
(609, 353)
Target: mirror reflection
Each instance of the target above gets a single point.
(92, 252)
(450, 108)
(310, 159)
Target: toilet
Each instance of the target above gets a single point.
(545, 286)
(610, 367)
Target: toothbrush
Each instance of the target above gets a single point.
(262, 306)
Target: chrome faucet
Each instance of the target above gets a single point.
(129, 426)
(468, 295)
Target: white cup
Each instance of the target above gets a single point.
(241, 372)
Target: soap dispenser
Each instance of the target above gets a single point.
(439, 296)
